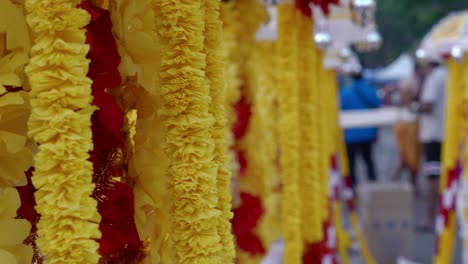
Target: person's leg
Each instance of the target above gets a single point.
(366, 150)
(352, 151)
(432, 168)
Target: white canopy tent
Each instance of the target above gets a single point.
(401, 68)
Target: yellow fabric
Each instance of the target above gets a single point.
(290, 134)
(60, 123)
(406, 135)
(312, 227)
(185, 112)
(215, 77)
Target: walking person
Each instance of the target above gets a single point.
(431, 134)
(360, 95)
(406, 129)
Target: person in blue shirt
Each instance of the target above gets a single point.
(360, 95)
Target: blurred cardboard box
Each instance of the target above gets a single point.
(386, 211)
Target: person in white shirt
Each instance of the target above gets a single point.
(431, 133)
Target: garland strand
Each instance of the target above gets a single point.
(60, 123)
(265, 141)
(462, 202)
(290, 135)
(450, 157)
(310, 188)
(231, 31)
(215, 76)
(185, 111)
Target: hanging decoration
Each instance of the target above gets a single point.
(445, 220)
(289, 137)
(185, 112)
(60, 123)
(215, 76)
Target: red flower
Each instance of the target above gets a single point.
(303, 5)
(118, 228)
(245, 221)
(120, 238)
(243, 114)
(103, 53)
(325, 4)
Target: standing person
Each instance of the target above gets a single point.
(431, 133)
(406, 129)
(361, 95)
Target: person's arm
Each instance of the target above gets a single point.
(431, 87)
(422, 107)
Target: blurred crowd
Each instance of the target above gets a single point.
(419, 129)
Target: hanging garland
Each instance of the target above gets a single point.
(289, 137)
(264, 143)
(215, 76)
(309, 175)
(445, 221)
(185, 111)
(60, 123)
(462, 204)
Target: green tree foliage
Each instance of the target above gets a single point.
(403, 23)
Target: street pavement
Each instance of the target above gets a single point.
(386, 158)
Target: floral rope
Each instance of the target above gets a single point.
(185, 111)
(215, 75)
(450, 158)
(60, 123)
(289, 136)
(462, 202)
(309, 175)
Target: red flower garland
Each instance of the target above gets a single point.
(120, 242)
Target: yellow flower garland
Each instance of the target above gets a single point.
(289, 137)
(60, 123)
(450, 154)
(185, 111)
(463, 214)
(231, 31)
(324, 137)
(215, 76)
(312, 227)
(263, 144)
